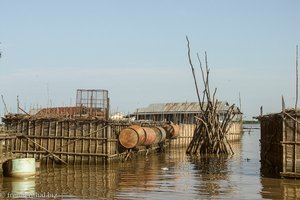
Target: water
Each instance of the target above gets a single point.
(169, 175)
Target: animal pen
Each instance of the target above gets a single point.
(81, 140)
(6, 142)
(280, 144)
(85, 134)
(81, 134)
(66, 140)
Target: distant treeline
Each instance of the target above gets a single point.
(250, 122)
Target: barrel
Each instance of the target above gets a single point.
(132, 136)
(19, 167)
(150, 136)
(160, 134)
(172, 130)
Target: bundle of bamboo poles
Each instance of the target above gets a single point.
(210, 135)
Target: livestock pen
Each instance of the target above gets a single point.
(280, 144)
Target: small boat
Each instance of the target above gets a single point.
(19, 167)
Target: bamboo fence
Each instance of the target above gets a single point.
(280, 144)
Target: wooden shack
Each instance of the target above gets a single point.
(280, 144)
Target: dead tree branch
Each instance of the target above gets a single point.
(210, 135)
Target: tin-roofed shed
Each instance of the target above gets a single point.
(183, 112)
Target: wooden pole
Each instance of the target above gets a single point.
(51, 153)
(240, 101)
(193, 70)
(74, 143)
(96, 143)
(48, 140)
(68, 147)
(28, 133)
(82, 143)
(89, 143)
(283, 136)
(61, 140)
(6, 110)
(296, 123)
(56, 134)
(18, 105)
(297, 84)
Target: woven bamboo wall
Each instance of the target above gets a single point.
(6, 146)
(280, 144)
(69, 141)
(291, 145)
(83, 140)
(66, 140)
(271, 149)
(187, 132)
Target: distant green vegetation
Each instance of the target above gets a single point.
(250, 122)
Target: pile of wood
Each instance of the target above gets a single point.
(210, 135)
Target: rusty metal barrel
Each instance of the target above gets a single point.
(160, 134)
(172, 130)
(132, 136)
(150, 136)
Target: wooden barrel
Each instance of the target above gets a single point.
(150, 136)
(172, 130)
(19, 167)
(160, 134)
(132, 136)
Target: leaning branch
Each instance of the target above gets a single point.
(193, 71)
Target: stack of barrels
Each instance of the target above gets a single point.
(135, 135)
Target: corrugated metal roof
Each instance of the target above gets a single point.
(178, 107)
(156, 107)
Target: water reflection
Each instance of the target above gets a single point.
(213, 176)
(280, 188)
(18, 187)
(81, 181)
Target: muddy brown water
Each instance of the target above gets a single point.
(168, 175)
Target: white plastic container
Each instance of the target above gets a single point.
(19, 167)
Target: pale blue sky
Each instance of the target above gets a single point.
(137, 51)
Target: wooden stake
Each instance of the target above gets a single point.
(297, 85)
